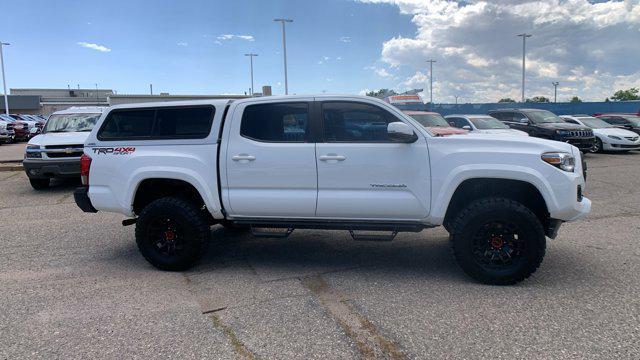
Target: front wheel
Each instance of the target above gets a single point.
(598, 146)
(172, 234)
(498, 241)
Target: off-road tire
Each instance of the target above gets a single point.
(194, 234)
(39, 184)
(468, 222)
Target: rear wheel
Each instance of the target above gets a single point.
(172, 234)
(39, 184)
(498, 241)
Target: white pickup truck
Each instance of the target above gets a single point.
(275, 164)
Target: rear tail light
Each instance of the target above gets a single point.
(85, 165)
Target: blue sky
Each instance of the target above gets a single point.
(337, 46)
(175, 46)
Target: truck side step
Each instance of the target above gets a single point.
(369, 236)
(271, 232)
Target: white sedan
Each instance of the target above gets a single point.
(608, 137)
(482, 124)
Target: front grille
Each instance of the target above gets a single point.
(65, 155)
(71, 146)
(9, 127)
(581, 133)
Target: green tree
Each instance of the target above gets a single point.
(506, 100)
(381, 93)
(575, 99)
(626, 95)
(538, 99)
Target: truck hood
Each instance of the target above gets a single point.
(502, 143)
(504, 132)
(66, 138)
(445, 130)
(615, 132)
(562, 126)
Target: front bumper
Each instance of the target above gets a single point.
(584, 144)
(45, 169)
(81, 196)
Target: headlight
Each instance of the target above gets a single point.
(563, 132)
(561, 160)
(614, 137)
(33, 152)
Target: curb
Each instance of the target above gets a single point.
(14, 166)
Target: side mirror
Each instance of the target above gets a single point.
(524, 121)
(401, 132)
(467, 127)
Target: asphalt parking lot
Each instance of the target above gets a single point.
(74, 285)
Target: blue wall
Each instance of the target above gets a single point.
(557, 108)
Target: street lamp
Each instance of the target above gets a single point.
(524, 40)
(555, 91)
(284, 48)
(251, 55)
(431, 79)
(4, 79)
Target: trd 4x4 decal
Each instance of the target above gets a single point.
(114, 151)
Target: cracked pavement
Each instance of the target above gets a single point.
(74, 286)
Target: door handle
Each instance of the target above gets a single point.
(334, 157)
(243, 157)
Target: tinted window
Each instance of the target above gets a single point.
(127, 124)
(355, 122)
(502, 115)
(183, 122)
(458, 122)
(276, 122)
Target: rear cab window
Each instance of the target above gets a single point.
(185, 122)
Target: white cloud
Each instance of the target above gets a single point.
(226, 37)
(93, 46)
(382, 72)
(182, 44)
(592, 48)
(323, 60)
(345, 39)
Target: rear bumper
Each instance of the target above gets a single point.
(81, 196)
(45, 169)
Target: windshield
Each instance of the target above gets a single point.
(430, 120)
(70, 123)
(544, 117)
(487, 123)
(635, 120)
(595, 123)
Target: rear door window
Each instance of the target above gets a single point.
(458, 122)
(276, 122)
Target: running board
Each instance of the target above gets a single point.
(367, 236)
(271, 232)
(389, 226)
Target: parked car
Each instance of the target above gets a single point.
(608, 137)
(56, 152)
(547, 125)
(435, 123)
(6, 131)
(177, 168)
(482, 124)
(25, 128)
(622, 121)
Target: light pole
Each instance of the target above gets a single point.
(555, 91)
(4, 79)
(284, 48)
(456, 96)
(524, 41)
(431, 80)
(251, 55)
(96, 91)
